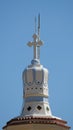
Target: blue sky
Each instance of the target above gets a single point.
(16, 29)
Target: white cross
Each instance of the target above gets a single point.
(36, 46)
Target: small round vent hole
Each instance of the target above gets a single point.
(29, 108)
(39, 107)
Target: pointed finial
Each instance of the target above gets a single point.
(39, 25)
(35, 24)
(36, 43)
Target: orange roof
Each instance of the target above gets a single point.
(36, 120)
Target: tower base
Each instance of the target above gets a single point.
(36, 123)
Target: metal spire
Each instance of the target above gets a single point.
(36, 41)
(35, 25)
(39, 25)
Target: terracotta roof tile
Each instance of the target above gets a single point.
(36, 120)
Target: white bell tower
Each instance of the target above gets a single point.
(36, 113)
(35, 83)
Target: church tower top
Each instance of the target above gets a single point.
(35, 82)
(36, 113)
(36, 43)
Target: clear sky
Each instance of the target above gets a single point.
(16, 29)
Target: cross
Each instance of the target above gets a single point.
(36, 46)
